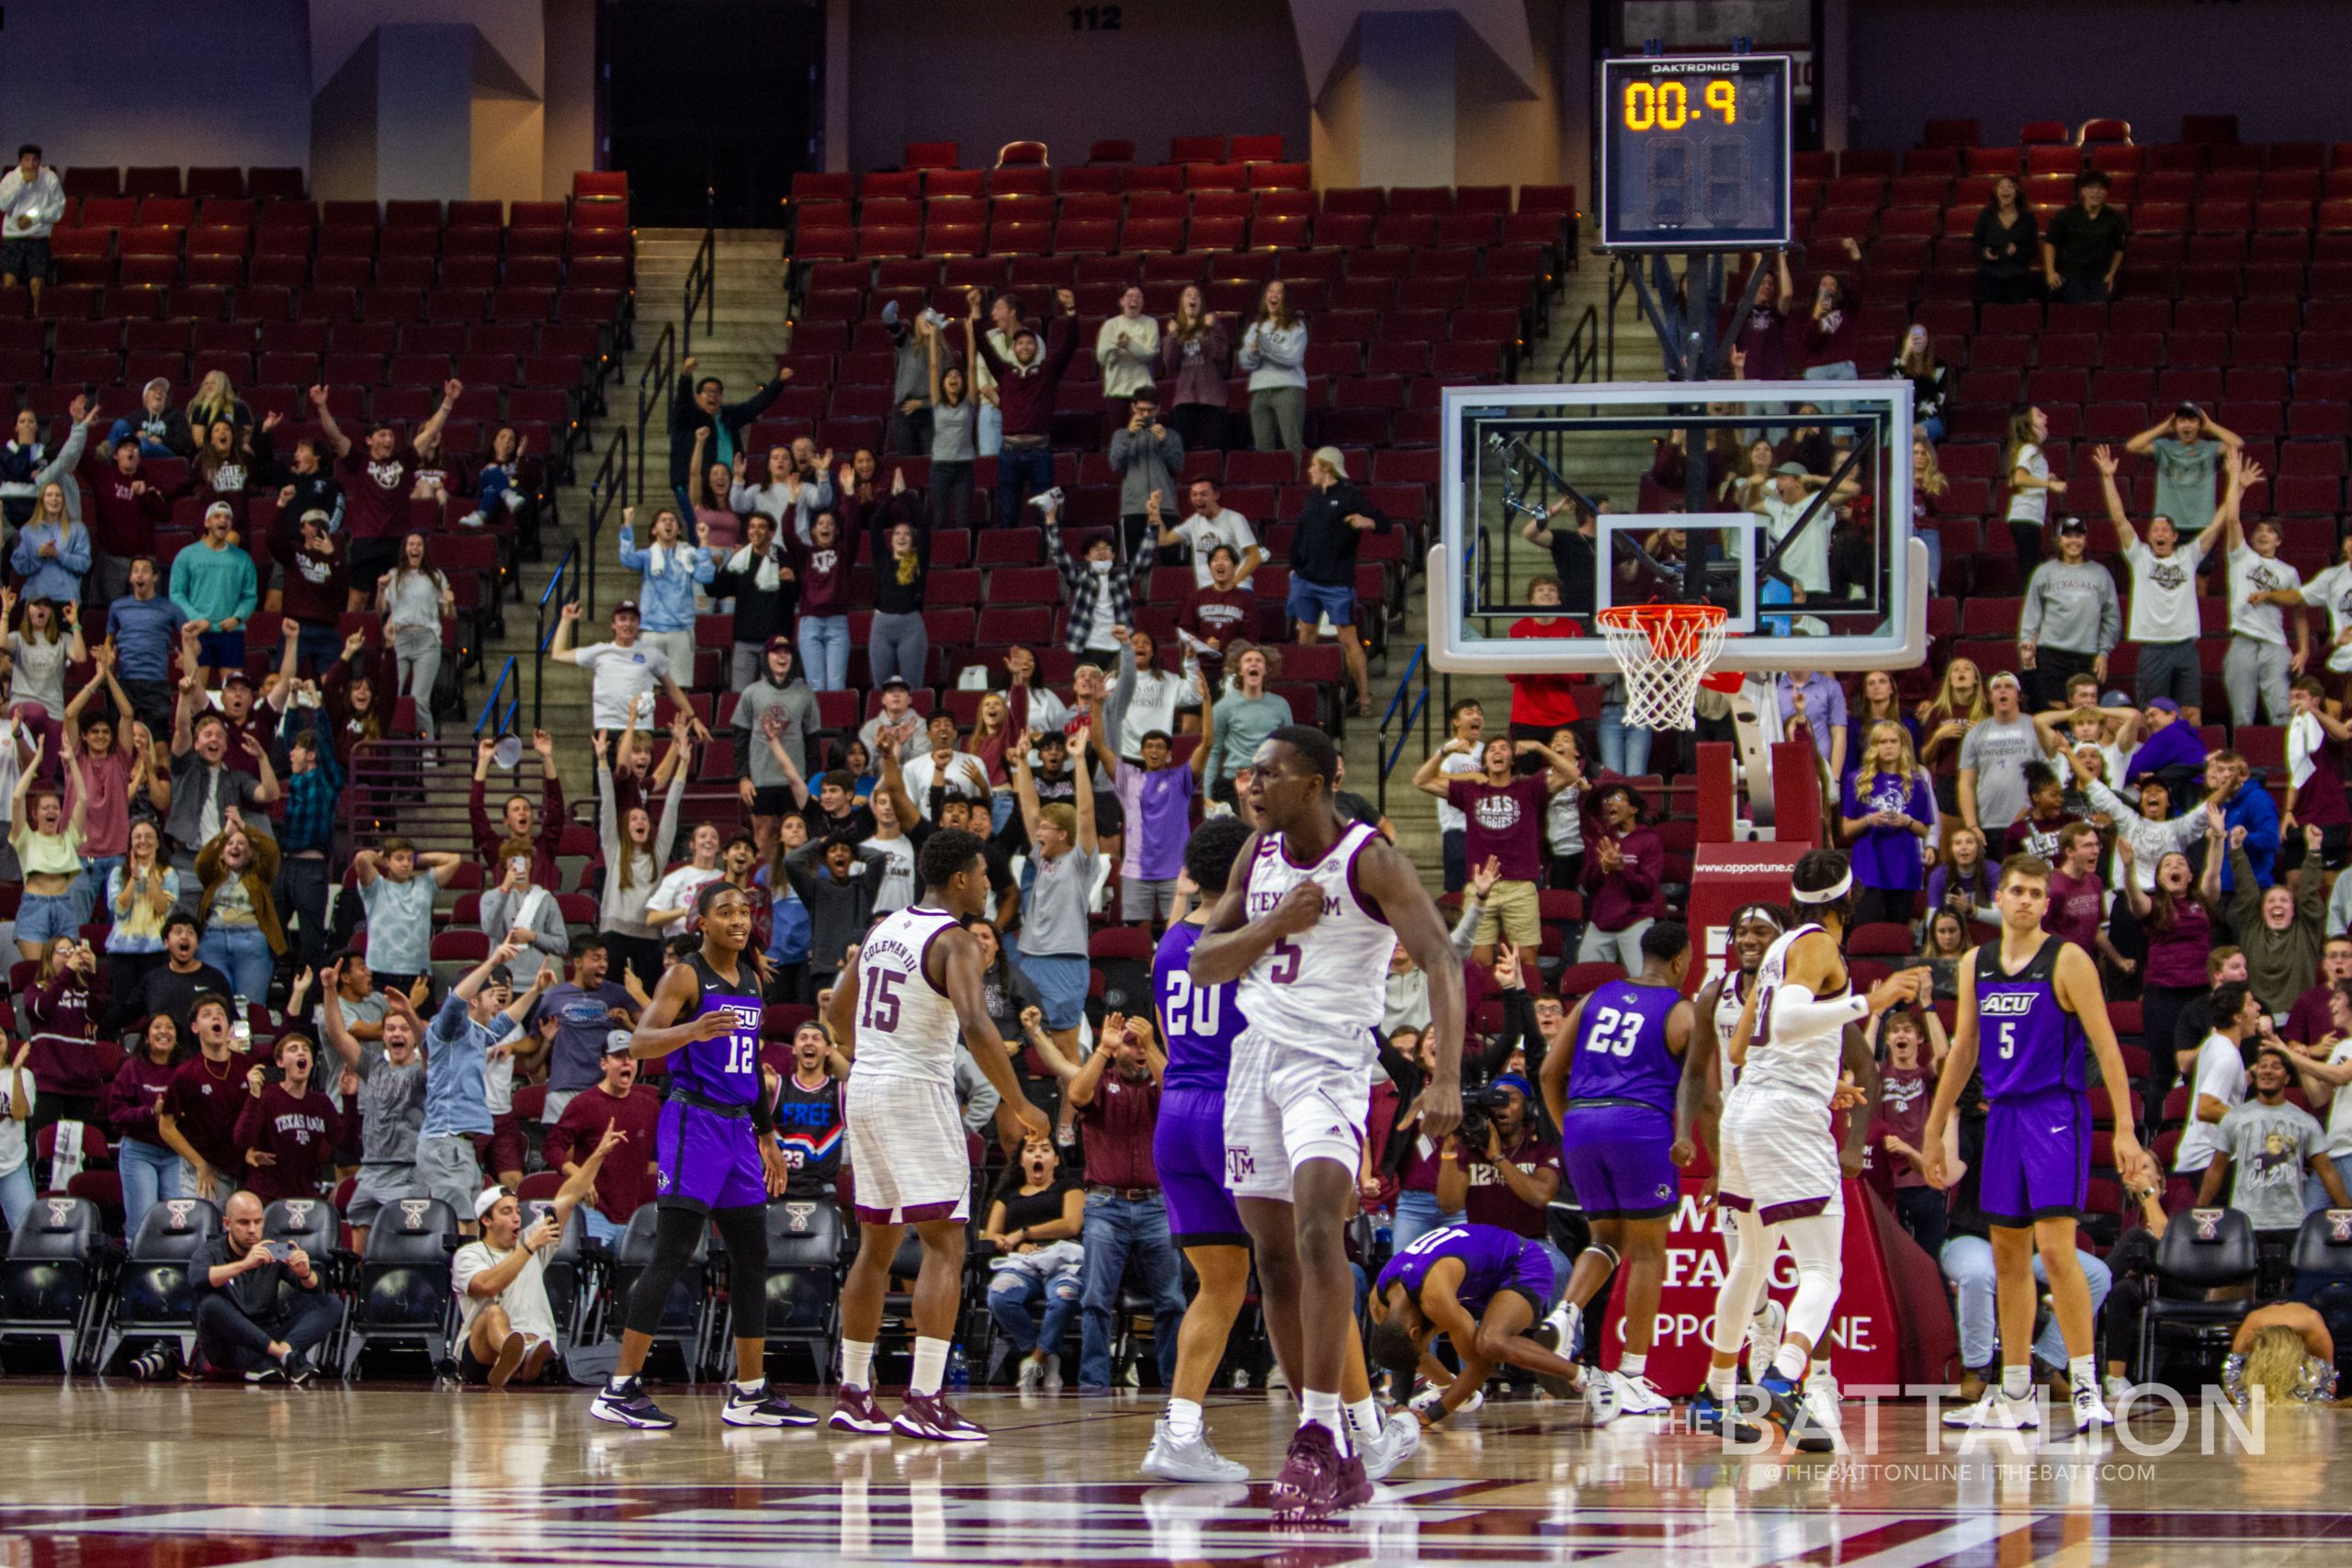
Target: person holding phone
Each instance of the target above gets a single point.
(259, 1310)
(520, 906)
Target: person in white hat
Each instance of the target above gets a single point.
(214, 584)
(501, 1279)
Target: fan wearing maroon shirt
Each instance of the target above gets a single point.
(516, 818)
(316, 589)
(125, 510)
(1503, 817)
(2308, 1021)
(288, 1129)
(377, 482)
(627, 1179)
(199, 1114)
(1214, 616)
(2077, 908)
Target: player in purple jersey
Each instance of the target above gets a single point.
(1482, 1287)
(2028, 1004)
(1188, 1150)
(717, 1163)
(1613, 1094)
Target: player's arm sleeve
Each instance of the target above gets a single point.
(1796, 1011)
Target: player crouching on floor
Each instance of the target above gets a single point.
(1482, 1287)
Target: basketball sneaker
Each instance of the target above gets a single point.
(1785, 1404)
(1636, 1395)
(1568, 1322)
(931, 1419)
(854, 1411)
(1996, 1411)
(1764, 1332)
(1188, 1459)
(1399, 1440)
(1821, 1402)
(760, 1406)
(624, 1403)
(2091, 1411)
(1715, 1418)
(1310, 1486)
(1032, 1372)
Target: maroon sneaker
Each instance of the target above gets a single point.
(854, 1411)
(1354, 1487)
(1310, 1485)
(931, 1419)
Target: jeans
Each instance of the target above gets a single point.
(1001, 804)
(898, 646)
(1278, 419)
(602, 1231)
(1623, 948)
(243, 954)
(150, 1172)
(151, 703)
(2087, 290)
(2315, 1197)
(303, 898)
(235, 1343)
(89, 889)
(1624, 748)
(824, 652)
(1968, 1264)
(989, 432)
(2254, 668)
(16, 1195)
(1020, 472)
(316, 647)
(1114, 1227)
(951, 494)
(1417, 1215)
(1013, 1295)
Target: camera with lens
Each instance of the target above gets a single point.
(1481, 1099)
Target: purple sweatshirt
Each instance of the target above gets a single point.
(2177, 744)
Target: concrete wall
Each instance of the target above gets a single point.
(985, 74)
(2280, 65)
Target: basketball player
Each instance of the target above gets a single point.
(1781, 1172)
(1307, 928)
(1482, 1287)
(912, 988)
(2038, 999)
(1753, 929)
(717, 1162)
(1612, 1096)
(1199, 1022)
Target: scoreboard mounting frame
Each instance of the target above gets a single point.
(1722, 123)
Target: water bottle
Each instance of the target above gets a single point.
(960, 1374)
(240, 1029)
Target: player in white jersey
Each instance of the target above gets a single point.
(1306, 924)
(1781, 1173)
(904, 995)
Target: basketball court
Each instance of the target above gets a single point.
(106, 1476)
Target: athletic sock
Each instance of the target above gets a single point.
(2083, 1372)
(1791, 1362)
(930, 1367)
(1631, 1366)
(1721, 1381)
(617, 1383)
(751, 1390)
(1323, 1409)
(1363, 1418)
(857, 1362)
(2016, 1382)
(1184, 1418)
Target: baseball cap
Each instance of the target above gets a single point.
(1794, 470)
(236, 678)
(616, 1043)
(779, 642)
(2002, 677)
(1332, 458)
(487, 1202)
(2071, 525)
(2187, 410)
(896, 683)
(2117, 700)
(625, 607)
(2165, 704)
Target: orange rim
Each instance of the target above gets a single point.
(1673, 629)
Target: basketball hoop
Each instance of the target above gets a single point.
(1665, 652)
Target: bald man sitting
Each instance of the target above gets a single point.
(244, 1322)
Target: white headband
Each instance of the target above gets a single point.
(1829, 895)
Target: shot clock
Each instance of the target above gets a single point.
(1694, 153)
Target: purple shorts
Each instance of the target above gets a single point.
(1188, 1150)
(1616, 1160)
(2036, 1162)
(704, 1161)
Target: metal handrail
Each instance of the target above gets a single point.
(610, 485)
(1419, 713)
(543, 634)
(702, 290)
(654, 391)
(1580, 356)
(490, 704)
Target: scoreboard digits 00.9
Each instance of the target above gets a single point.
(1694, 153)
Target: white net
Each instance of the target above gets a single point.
(1663, 649)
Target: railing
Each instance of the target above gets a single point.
(492, 721)
(702, 291)
(610, 485)
(654, 390)
(1403, 717)
(404, 786)
(1580, 357)
(543, 634)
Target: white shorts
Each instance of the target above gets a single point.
(1283, 1107)
(907, 1152)
(1779, 1156)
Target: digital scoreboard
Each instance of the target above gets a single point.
(1694, 153)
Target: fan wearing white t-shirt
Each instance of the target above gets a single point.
(1210, 524)
(2325, 1082)
(2261, 586)
(2163, 618)
(2332, 590)
(2030, 486)
(501, 1279)
(1468, 725)
(2217, 1083)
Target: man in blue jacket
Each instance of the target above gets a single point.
(2246, 804)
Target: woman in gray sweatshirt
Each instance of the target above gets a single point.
(2071, 619)
(1273, 351)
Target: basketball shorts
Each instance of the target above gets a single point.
(704, 1160)
(1188, 1150)
(2037, 1159)
(905, 1144)
(1779, 1157)
(1616, 1159)
(1284, 1107)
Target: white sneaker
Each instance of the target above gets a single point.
(1032, 1372)
(2091, 1411)
(1399, 1440)
(1566, 1323)
(1764, 1334)
(1275, 1379)
(1604, 1400)
(1636, 1395)
(1827, 1381)
(1995, 1413)
(1820, 1397)
(1188, 1459)
(1053, 1374)
(2117, 1389)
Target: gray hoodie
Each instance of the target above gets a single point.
(2072, 608)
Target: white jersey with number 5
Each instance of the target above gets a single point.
(906, 1026)
(1808, 1063)
(1322, 991)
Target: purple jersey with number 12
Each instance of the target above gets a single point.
(726, 1069)
(1199, 1022)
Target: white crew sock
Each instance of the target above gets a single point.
(1721, 1380)
(1791, 1361)
(1631, 1366)
(857, 1362)
(1184, 1419)
(2083, 1372)
(930, 1367)
(753, 1390)
(2016, 1382)
(1323, 1409)
(1363, 1418)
